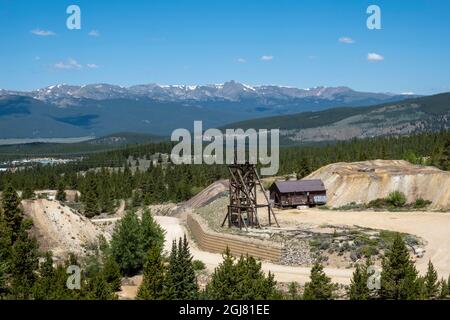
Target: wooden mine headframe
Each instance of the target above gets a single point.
(243, 207)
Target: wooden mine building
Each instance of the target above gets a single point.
(298, 193)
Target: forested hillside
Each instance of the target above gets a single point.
(104, 178)
(426, 114)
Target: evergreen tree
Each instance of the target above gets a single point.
(243, 280)
(111, 273)
(181, 282)
(152, 286)
(443, 293)
(61, 193)
(126, 244)
(11, 213)
(28, 192)
(293, 293)
(152, 233)
(320, 286)
(5, 241)
(253, 284)
(359, 289)
(44, 287)
(399, 276)
(431, 285)
(304, 168)
(90, 199)
(99, 289)
(444, 159)
(222, 285)
(24, 264)
(172, 274)
(189, 287)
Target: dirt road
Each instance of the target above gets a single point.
(433, 227)
(175, 229)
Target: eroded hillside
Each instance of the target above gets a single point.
(361, 182)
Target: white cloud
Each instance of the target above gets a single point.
(94, 33)
(92, 66)
(43, 33)
(408, 93)
(346, 40)
(374, 57)
(71, 64)
(37, 58)
(266, 58)
(241, 60)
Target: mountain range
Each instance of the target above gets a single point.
(66, 95)
(64, 111)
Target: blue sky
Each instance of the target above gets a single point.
(283, 42)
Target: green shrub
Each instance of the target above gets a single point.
(378, 203)
(397, 199)
(351, 206)
(421, 203)
(198, 265)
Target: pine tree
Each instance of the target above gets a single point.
(252, 282)
(111, 273)
(431, 285)
(24, 264)
(28, 192)
(152, 287)
(399, 279)
(3, 274)
(5, 241)
(11, 213)
(443, 293)
(304, 168)
(359, 289)
(126, 244)
(190, 287)
(181, 282)
(243, 280)
(223, 281)
(444, 158)
(44, 287)
(448, 285)
(293, 293)
(106, 201)
(320, 286)
(172, 274)
(152, 233)
(61, 193)
(99, 289)
(90, 199)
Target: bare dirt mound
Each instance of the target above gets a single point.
(208, 195)
(60, 229)
(361, 182)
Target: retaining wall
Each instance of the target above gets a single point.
(211, 241)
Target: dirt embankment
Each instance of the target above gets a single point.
(59, 228)
(361, 182)
(206, 196)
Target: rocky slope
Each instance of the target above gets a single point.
(60, 229)
(361, 182)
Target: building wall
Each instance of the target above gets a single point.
(296, 198)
